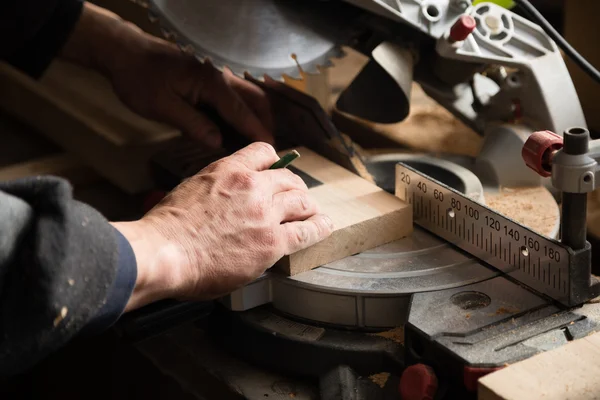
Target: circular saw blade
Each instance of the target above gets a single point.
(260, 37)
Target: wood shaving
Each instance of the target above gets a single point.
(396, 335)
(380, 379)
(504, 310)
(444, 132)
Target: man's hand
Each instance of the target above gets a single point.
(223, 228)
(158, 81)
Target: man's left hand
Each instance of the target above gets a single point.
(160, 82)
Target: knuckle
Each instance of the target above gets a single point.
(216, 166)
(324, 226)
(302, 235)
(259, 209)
(295, 179)
(262, 147)
(244, 180)
(299, 182)
(302, 201)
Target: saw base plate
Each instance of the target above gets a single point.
(373, 290)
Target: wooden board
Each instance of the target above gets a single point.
(568, 372)
(63, 165)
(77, 109)
(364, 215)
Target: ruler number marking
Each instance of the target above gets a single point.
(551, 256)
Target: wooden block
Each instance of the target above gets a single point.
(568, 372)
(63, 165)
(77, 109)
(364, 215)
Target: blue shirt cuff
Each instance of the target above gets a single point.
(121, 290)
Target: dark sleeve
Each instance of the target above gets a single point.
(63, 268)
(32, 32)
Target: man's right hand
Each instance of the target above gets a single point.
(222, 228)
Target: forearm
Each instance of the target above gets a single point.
(103, 41)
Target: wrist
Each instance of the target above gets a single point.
(157, 264)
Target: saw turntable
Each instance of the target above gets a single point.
(472, 289)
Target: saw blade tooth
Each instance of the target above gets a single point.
(153, 16)
(238, 67)
(168, 34)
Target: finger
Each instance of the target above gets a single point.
(294, 205)
(257, 156)
(253, 96)
(302, 234)
(190, 121)
(231, 107)
(283, 179)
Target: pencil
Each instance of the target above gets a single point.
(285, 160)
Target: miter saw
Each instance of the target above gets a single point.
(459, 308)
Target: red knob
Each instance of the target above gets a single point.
(538, 151)
(462, 28)
(418, 382)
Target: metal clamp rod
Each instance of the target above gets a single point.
(574, 205)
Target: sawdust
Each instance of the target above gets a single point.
(594, 301)
(504, 310)
(429, 127)
(380, 379)
(396, 335)
(533, 207)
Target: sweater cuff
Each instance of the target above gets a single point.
(121, 289)
(36, 55)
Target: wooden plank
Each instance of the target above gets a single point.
(568, 372)
(364, 215)
(62, 165)
(77, 109)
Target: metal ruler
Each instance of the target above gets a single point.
(544, 264)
